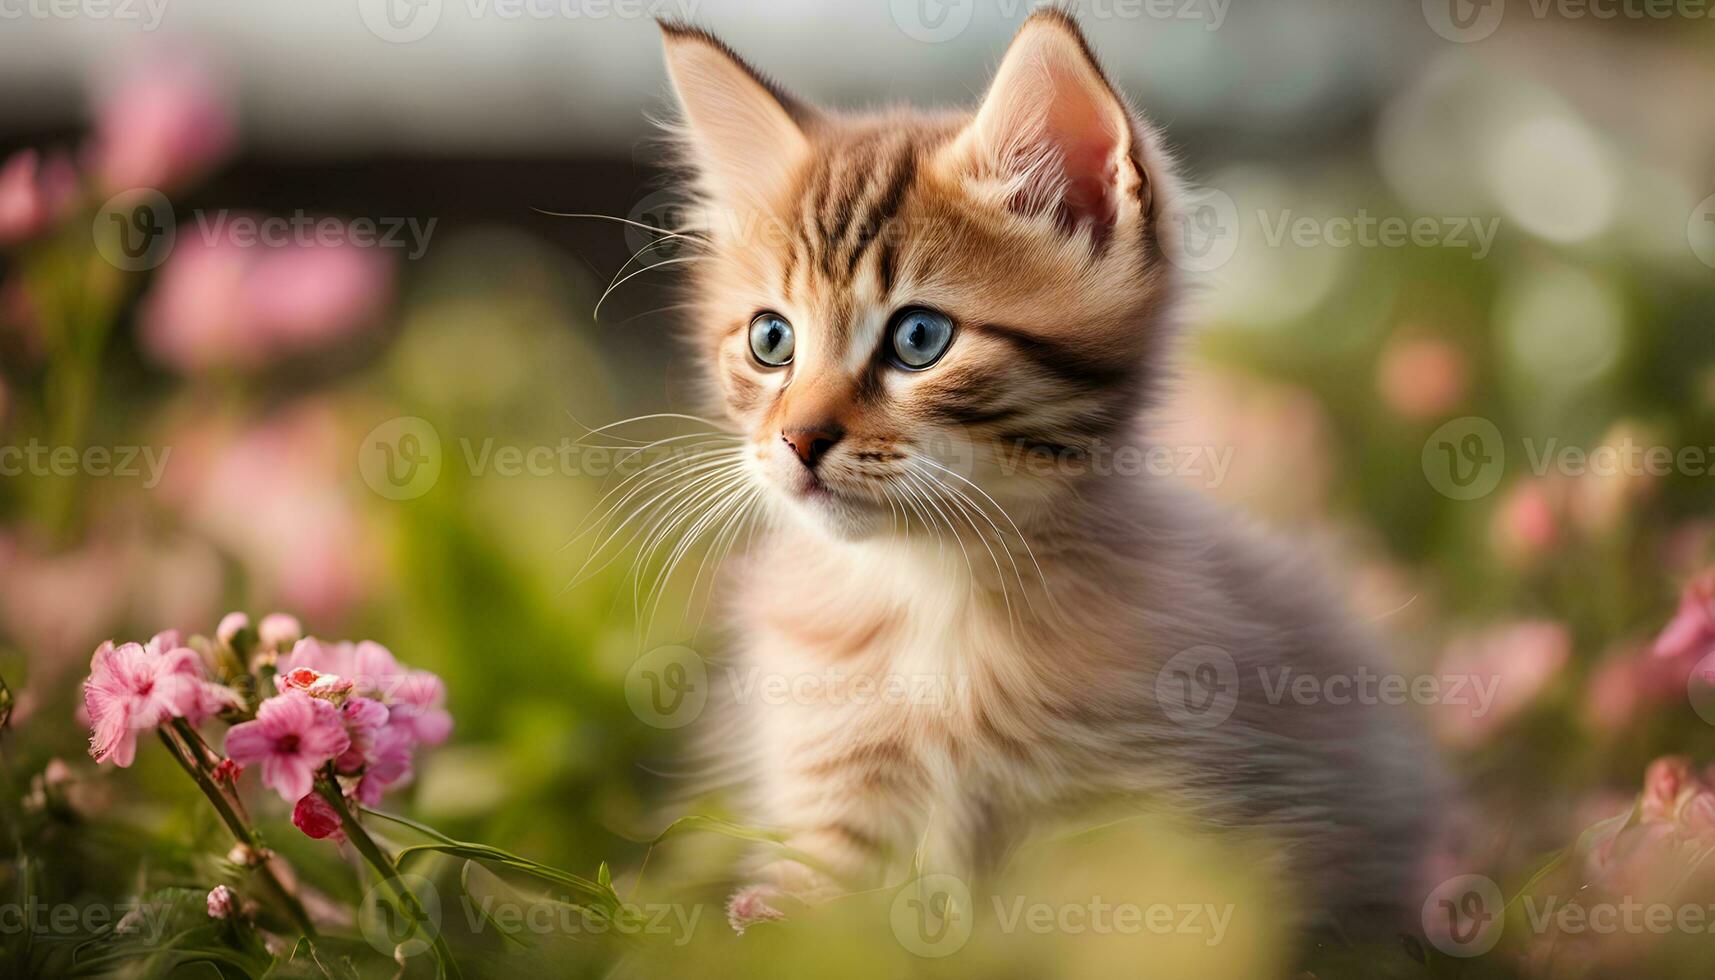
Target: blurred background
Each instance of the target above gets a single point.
(239, 244)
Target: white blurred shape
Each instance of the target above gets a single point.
(1552, 177)
(1562, 326)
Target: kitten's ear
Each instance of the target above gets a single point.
(1053, 130)
(744, 132)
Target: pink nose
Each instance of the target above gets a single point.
(811, 444)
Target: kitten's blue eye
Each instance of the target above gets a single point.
(920, 337)
(771, 339)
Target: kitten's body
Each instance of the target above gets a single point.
(973, 643)
(994, 726)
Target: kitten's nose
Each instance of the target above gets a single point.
(811, 443)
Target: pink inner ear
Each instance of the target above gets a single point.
(1092, 187)
(1079, 131)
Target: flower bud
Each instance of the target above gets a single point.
(232, 624)
(316, 818)
(279, 632)
(221, 902)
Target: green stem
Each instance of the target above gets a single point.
(378, 859)
(207, 759)
(241, 831)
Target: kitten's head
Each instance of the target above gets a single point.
(891, 301)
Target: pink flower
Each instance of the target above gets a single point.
(314, 683)
(1644, 852)
(1508, 667)
(132, 687)
(278, 632)
(232, 624)
(221, 902)
(34, 196)
(293, 736)
(162, 126)
(1665, 781)
(418, 705)
(316, 818)
(386, 763)
(749, 906)
(1614, 694)
(278, 497)
(220, 304)
(1422, 377)
(1690, 635)
(308, 296)
(364, 720)
(390, 712)
(1527, 524)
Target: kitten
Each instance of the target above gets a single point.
(928, 328)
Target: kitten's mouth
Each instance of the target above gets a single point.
(811, 487)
